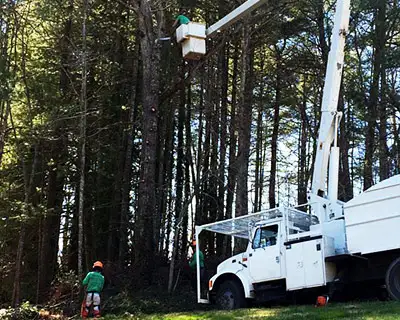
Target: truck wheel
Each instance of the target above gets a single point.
(230, 296)
(393, 280)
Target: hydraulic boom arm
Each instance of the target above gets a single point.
(234, 16)
(330, 117)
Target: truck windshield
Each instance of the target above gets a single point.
(265, 237)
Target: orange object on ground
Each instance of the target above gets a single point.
(322, 301)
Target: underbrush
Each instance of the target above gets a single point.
(122, 304)
(153, 302)
(26, 311)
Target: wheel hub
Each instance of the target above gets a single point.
(227, 300)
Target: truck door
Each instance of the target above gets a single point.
(264, 257)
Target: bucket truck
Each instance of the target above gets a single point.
(334, 245)
(193, 35)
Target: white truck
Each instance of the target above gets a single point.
(328, 244)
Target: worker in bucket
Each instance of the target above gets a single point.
(193, 266)
(94, 282)
(181, 19)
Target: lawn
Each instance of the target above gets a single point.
(364, 310)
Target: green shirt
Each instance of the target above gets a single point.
(94, 282)
(183, 19)
(192, 262)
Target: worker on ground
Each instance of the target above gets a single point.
(193, 266)
(94, 282)
(181, 19)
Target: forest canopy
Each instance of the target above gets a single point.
(113, 147)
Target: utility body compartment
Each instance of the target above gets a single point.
(305, 263)
(373, 218)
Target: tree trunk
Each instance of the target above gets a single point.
(188, 166)
(345, 191)
(175, 246)
(144, 232)
(259, 165)
(206, 203)
(275, 131)
(165, 179)
(180, 170)
(126, 180)
(223, 61)
(396, 145)
(245, 114)
(29, 188)
(321, 31)
(379, 39)
(199, 186)
(231, 182)
(384, 159)
(215, 151)
(82, 127)
(303, 165)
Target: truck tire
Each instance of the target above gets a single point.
(393, 280)
(230, 296)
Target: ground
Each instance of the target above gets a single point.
(356, 311)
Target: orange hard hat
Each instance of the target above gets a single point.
(98, 264)
(193, 242)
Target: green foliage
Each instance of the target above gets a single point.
(26, 311)
(66, 284)
(150, 302)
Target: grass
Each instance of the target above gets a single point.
(356, 311)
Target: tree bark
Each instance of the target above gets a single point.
(245, 120)
(29, 178)
(259, 165)
(144, 231)
(384, 159)
(379, 38)
(82, 129)
(303, 165)
(275, 131)
(223, 61)
(345, 191)
(396, 145)
(231, 180)
(126, 180)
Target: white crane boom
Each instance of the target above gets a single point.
(330, 117)
(234, 16)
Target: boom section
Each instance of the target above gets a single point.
(330, 117)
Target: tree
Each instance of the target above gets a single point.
(150, 54)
